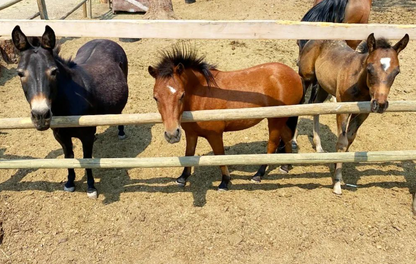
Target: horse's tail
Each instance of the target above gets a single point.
(325, 11)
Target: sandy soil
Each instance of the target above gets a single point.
(141, 216)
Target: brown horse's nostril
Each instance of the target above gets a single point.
(374, 106)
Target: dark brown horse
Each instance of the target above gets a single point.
(350, 76)
(95, 82)
(340, 11)
(184, 82)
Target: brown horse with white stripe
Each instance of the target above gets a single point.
(350, 76)
(184, 82)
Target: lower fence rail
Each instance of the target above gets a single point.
(250, 159)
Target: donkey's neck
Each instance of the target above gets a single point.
(72, 97)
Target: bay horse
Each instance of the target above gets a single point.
(340, 11)
(350, 76)
(185, 82)
(95, 82)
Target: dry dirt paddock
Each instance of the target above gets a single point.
(141, 216)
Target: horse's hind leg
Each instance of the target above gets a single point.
(121, 134)
(320, 98)
(274, 140)
(191, 141)
(285, 145)
(66, 144)
(87, 146)
(217, 146)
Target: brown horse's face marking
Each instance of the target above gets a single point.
(37, 71)
(169, 94)
(382, 68)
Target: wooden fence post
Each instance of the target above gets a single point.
(42, 9)
(89, 9)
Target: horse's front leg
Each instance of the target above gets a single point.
(66, 143)
(217, 146)
(87, 146)
(191, 141)
(342, 146)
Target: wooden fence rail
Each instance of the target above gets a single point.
(206, 29)
(252, 159)
(211, 115)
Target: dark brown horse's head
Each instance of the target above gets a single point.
(169, 94)
(382, 68)
(37, 71)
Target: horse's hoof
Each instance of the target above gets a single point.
(69, 189)
(256, 179)
(285, 168)
(337, 188)
(223, 187)
(121, 137)
(294, 145)
(92, 193)
(181, 182)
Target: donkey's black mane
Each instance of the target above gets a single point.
(188, 57)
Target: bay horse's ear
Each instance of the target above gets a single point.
(152, 71)
(48, 38)
(371, 43)
(19, 39)
(401, 44)
(179, 69)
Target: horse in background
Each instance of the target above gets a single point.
(339, 11)
(185, 82)
(350, 76)
(95, 82)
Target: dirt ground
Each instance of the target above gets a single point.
(141, 216)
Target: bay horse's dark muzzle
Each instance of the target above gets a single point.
(41, 119)
(376, 107)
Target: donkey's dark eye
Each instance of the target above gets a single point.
(54, 71)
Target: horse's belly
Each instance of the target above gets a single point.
(240, 124)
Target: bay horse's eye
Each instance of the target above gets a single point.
(154, 97)
(182, 96)
(370, 68)
(21, 73)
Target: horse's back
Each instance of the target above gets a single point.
(104, 67)
(270, 84)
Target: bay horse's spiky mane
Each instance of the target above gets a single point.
(188, 57)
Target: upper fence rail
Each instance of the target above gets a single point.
(208, 29)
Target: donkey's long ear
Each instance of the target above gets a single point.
(401, 44)
(152, 71)
(19, 39)
(48, 38)
(371, 43)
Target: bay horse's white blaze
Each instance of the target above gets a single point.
(40, 104)
(171, 89)
(385, 63)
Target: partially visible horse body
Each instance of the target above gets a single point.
(350, 76)
(95, 82)
(184, 82)
(340, 11)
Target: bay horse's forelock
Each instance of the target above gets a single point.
(269, 84)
